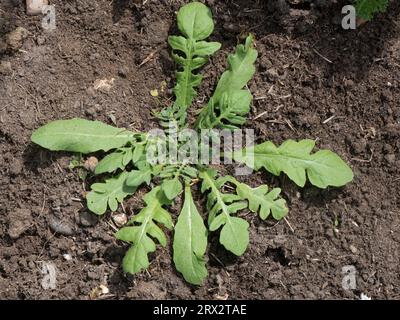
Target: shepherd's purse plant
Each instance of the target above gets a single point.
(126, 167)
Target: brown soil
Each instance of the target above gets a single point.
(309, 69)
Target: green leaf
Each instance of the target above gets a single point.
(195, 21)
(137, 177)
(234, 235)
(79, 135)
(368, 8)
(110, 163)
(324, 168)
(138, 153)
(171, 188)
(231, 103)
(233, 109)
(262, 201)
(146, 229)
(108, 194)
(190, 242)
(241, 69)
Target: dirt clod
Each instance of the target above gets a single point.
(87, 219)
(60, 226)
(19, 221)
(16, 38)
(5, 68)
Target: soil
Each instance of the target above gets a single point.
(309, 71)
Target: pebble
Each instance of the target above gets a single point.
(91, 163)
(353, 249)
(34, 7)
(67, 257)
(61, 227)
(120, 219)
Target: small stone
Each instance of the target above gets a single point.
(61, 227)
(104, 289)
(19, 221)
(87, 219)
(67, 257)
(34, 7)
(120, 219)
(5, 68)
(15, 38)
(91, 163)
(104, 85)
(353, 249)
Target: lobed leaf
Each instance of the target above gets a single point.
(141, 234)
(190, 242)
(324, 168)
(142, 175)
(114, 161)
(262, 201)
(231, 103)
(109, 194)
(241, 69)
(195, 22)
(234, 235)
(80, 135)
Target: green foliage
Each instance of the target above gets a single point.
(230, 103)
(366, 9)
(172, 188)
(262, 201)
(120, 158)
(324, 168)
(190, 242)
(234, 235)
(190, 52)
(144, 229)
(109, 194)
(79, 135)
(125, 168)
